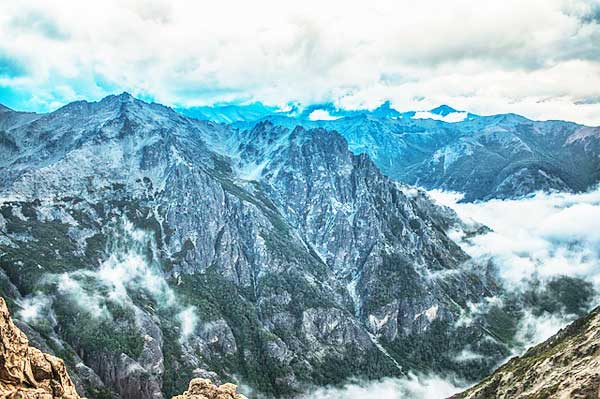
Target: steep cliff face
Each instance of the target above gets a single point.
(27, 372)
(499, 156)
(273, 257)
(382, 241)
(565, 366)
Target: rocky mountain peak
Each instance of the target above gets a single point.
(385, 110)
(122, 100)
(4, 108)
(26, 372)
(113, 107)
(308, 256)
(125, 96)
(443, 110)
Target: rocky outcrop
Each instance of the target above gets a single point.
(26, 372)
(201, 388)
(565, 366)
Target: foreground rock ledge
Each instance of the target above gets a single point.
(201, 388)
(27, 372)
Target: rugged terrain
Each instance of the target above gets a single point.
(498, 156)
(26, 372)
(147, 248)
(565, 366)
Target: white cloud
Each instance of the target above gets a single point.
(129, 268)
(546, 234)
(451, 117)
(189, 321)
(579, 222)
(36, 307)
(535, 329)
(467, 355)
(91, 302)
(535, 239)
(537, 58)
(321, 115)
(413, 387)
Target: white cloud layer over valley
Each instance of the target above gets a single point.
(544, 235)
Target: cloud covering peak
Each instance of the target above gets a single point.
(537, 58)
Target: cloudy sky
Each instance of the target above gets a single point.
(539, 58)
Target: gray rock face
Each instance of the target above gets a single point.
(500, 156)
(167, 248)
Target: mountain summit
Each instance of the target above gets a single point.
(271, 256)
(443, 110)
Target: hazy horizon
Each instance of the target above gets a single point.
(536, 59)
(421, 113)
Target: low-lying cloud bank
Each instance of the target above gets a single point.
(131, 268)
(544, 236)
(411, 387)
(545, 242)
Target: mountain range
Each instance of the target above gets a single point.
(146, 247)
(483, 157)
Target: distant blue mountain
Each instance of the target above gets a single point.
(229, 113)
(232, 113)
(443, 110)
(498, 156)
